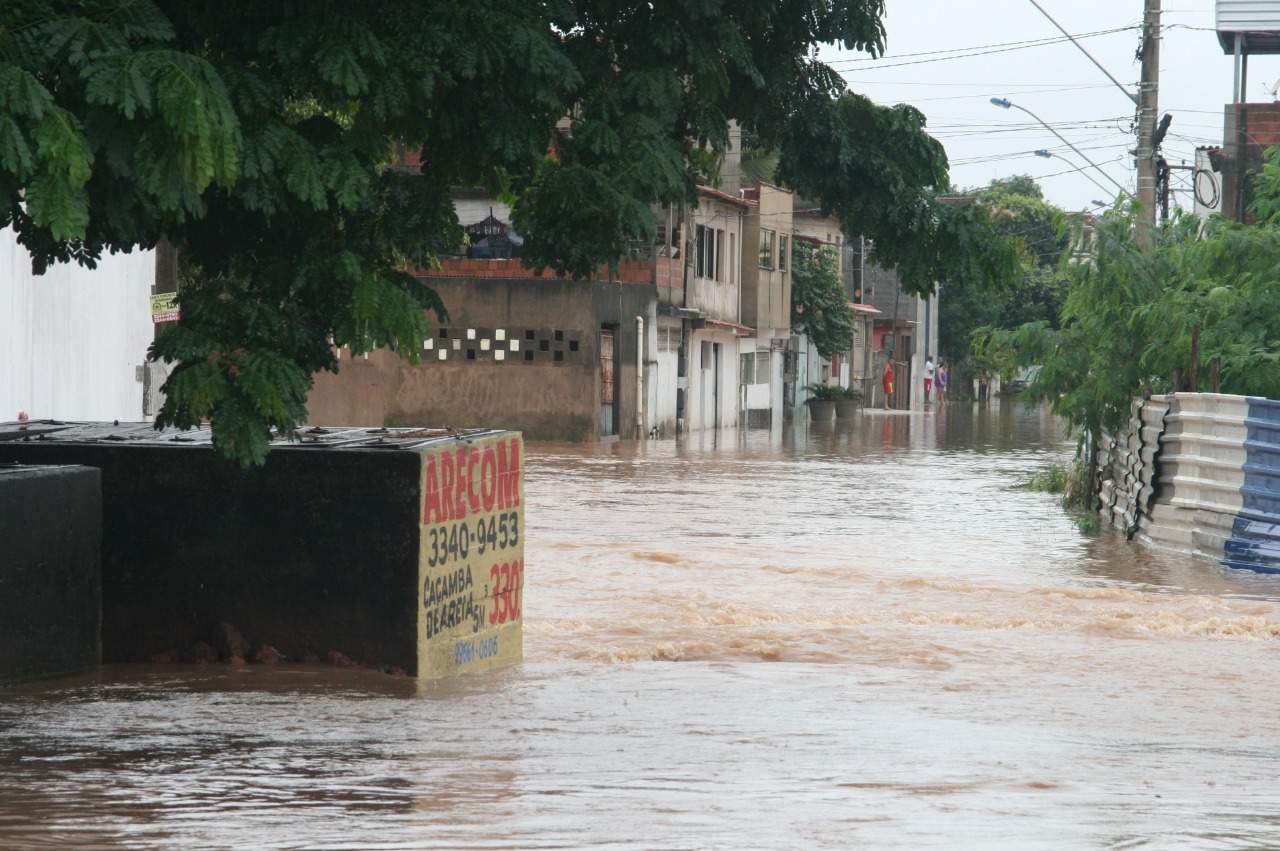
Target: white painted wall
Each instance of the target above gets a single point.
(70, 339)
(766, 393)
(665, 382)
(717, 299)
(701, 401)
(926, 311)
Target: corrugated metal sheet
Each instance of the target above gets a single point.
(1213, 490)
(145, 434)
(1254, 542)
(1201, 473)
(1248, 15)
(1127, 463)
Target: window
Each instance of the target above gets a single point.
(700, 252)
(669, 338)
(784, 243)
(766, 248)
(733, 258)
(755, 368)
(708, 250)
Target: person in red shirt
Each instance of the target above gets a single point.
(888, 381)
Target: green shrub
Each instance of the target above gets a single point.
(829, 393)
(1051, 480)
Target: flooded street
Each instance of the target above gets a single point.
(858, 637)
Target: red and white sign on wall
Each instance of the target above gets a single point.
(471, 555)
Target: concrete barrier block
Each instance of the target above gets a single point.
(50, 573)
(390, 548)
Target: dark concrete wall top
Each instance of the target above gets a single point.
(50, 576)
(315, 551)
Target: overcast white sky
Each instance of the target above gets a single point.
(1055, 81)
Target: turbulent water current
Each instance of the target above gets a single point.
(860, 637)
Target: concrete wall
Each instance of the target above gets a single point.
(666, 371)
(406, 554)
(717, 298)
(926, 345)
(71, 339)
(713, 389)
(50, 571)
(311, 553)
(534, 363)
(766, 297)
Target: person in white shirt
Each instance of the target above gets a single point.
(928, 376)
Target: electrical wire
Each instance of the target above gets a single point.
(966, 52)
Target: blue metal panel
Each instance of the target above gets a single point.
(1255, 536)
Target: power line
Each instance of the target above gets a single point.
(1021, 92)
(1022, 44)
(1017, 155)
(1074, 40)
(1008, 47)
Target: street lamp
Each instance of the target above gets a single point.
(1005, 103)
(1080, 168)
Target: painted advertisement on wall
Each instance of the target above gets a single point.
(471, 556)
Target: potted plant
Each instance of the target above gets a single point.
(848, 401)
(822, 402)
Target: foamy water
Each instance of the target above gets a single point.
(867, 637)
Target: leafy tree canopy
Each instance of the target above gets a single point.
(1127, 320)
(1041, 233)
(819, 305)
(256, 137)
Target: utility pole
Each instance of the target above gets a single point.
(1148, 106)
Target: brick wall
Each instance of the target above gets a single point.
(628, 272)
(1260, 123)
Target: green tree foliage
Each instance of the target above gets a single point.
(1127, 321)
(1040, 234)
(819, 306)
(877, 170)
(257, 136)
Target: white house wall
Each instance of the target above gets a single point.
(926, 337)
(699, 406)
(718, 299)
(666, 388)
(71, 339)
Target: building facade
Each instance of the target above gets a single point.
(699, 327)
(766, 380)
(905, 331)
(555, 358)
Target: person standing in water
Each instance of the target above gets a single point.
(888, 380)
(943, 379)
(928, 377)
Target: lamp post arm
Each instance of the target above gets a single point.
(1066, 142)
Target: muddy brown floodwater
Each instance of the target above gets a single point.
(865, 637)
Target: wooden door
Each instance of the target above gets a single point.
(608, 388)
